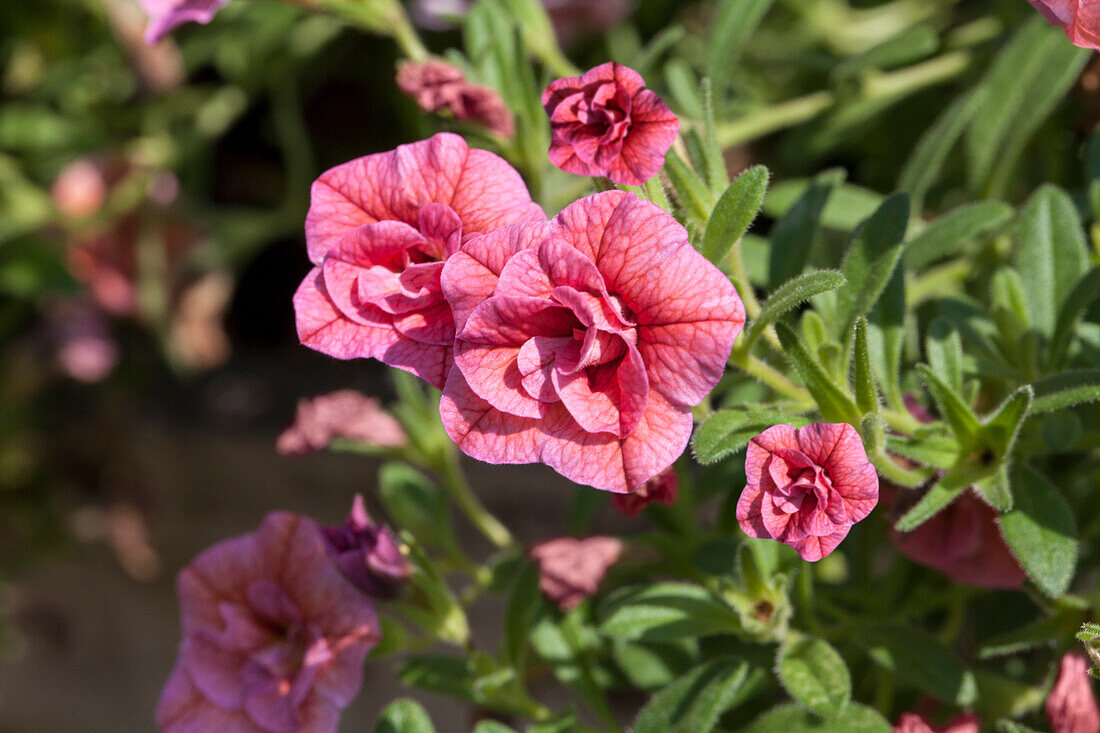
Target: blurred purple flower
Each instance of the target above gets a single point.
(367, 553)
(913, 723)
(342, 414)
(663, 488)
(164, 15)
(1071, 706)
(81, 340)
(274, 637)
(571, 570)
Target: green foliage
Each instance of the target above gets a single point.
(922, 661)
(814, 674)
(856, 718)
(404, 716)
(695, 701)
(734, 212)
(665, 612)
(1041, 532)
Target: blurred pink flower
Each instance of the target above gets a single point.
(606, 123)
(81, 187)
(913, 723)
(583, 342)
(367, 553)
(1071, 705)
(378, 231)
(806, 486)
(343, 414)
(963, 542)
(661, 489)
(274, 637)
(436, 86)
(571, 570)
(165, 15)
(1080, 19)
(82, 341)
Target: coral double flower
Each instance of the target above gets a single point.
(583, 342)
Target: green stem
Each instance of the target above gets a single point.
(407, 39)
(455, 482)
(806, 598)
(773, 118)
(738, 270)
(772, 377)
(894, 473)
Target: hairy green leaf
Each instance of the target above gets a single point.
(835, 405)
(404, 716)
(815, 675)
(922, 661)
(949, 235)
(856, 718)
(734, 212)
(665, 611)
(1066, 389)
(787, 296)
(1041, 532)
(793, 235)
(728, 431)
(1051, 256)
(694, 702)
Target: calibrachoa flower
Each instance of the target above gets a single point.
(164, 15)
(606, 123)
(436, 85)
(661, 489)
(274, 637)
(342, 414)
(913, 723)
(571, 570)
(378, 231)
(806, 486)
(1071, 706)
(367, 553)
(963, 542)
(1080, 19)
(584, 342)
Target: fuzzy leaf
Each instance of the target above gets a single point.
(793, 235)
(694, 702)
(1066, 389)
(870, 261)
(734, 24)
(964, 423)
(944, 350)
(1076, 303)
(523, 603)
(787, 296)
(728, 431)
(691, 191)
(834, 404)
(734, 212)
(925, 163)
(665, 611)
(1041, 532)
(948, 235)
(815, 675)
(866, 394)
(1051, 256)
(848, 205)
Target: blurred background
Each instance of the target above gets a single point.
(151, 208)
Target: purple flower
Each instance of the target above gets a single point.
(274, 637)
(164, 15)
(367, 553)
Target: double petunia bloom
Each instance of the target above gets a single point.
(580, 342)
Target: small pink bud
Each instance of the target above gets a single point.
(571, 570)
(342, 414)
(1071, 706)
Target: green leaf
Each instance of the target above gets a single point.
(856, 718)
(1037, 633)
(941, 452)
(887, 337)
(1011, 726)
(948, 235)
(787, 296)
(1052, 255)
(834, 404)
(404, 716)
(519, 617)
(1076, 303)
(728, 431)
(793, 235)
(734, 212)
(694, 702)
(935, 500)
(734, 24)
(866, 394)
(690, 190)
(492, 726)
(921, 660)
(1026, 81)
(872, 256)
(814, 674)
(1066, 389)
(1001, 427)
(651, 665)
(440, 673)
(944, 350)
(665, 611)
(415, 504)
(1041, 532)
(962, 420)
(928, 157)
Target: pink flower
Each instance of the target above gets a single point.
(571, 570)
(963, 542)
(81, 188)
(606, 123)
(583, 342)
(274, 637)
(1080, 19)
(367, 554)
(436, 86)
(81, 338)
(806, 486)
(342, 414)
(1071, 706)
(913, 723)
(378, 231)
(164, 15)
(661, 489)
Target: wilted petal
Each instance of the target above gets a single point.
(1071, 706)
